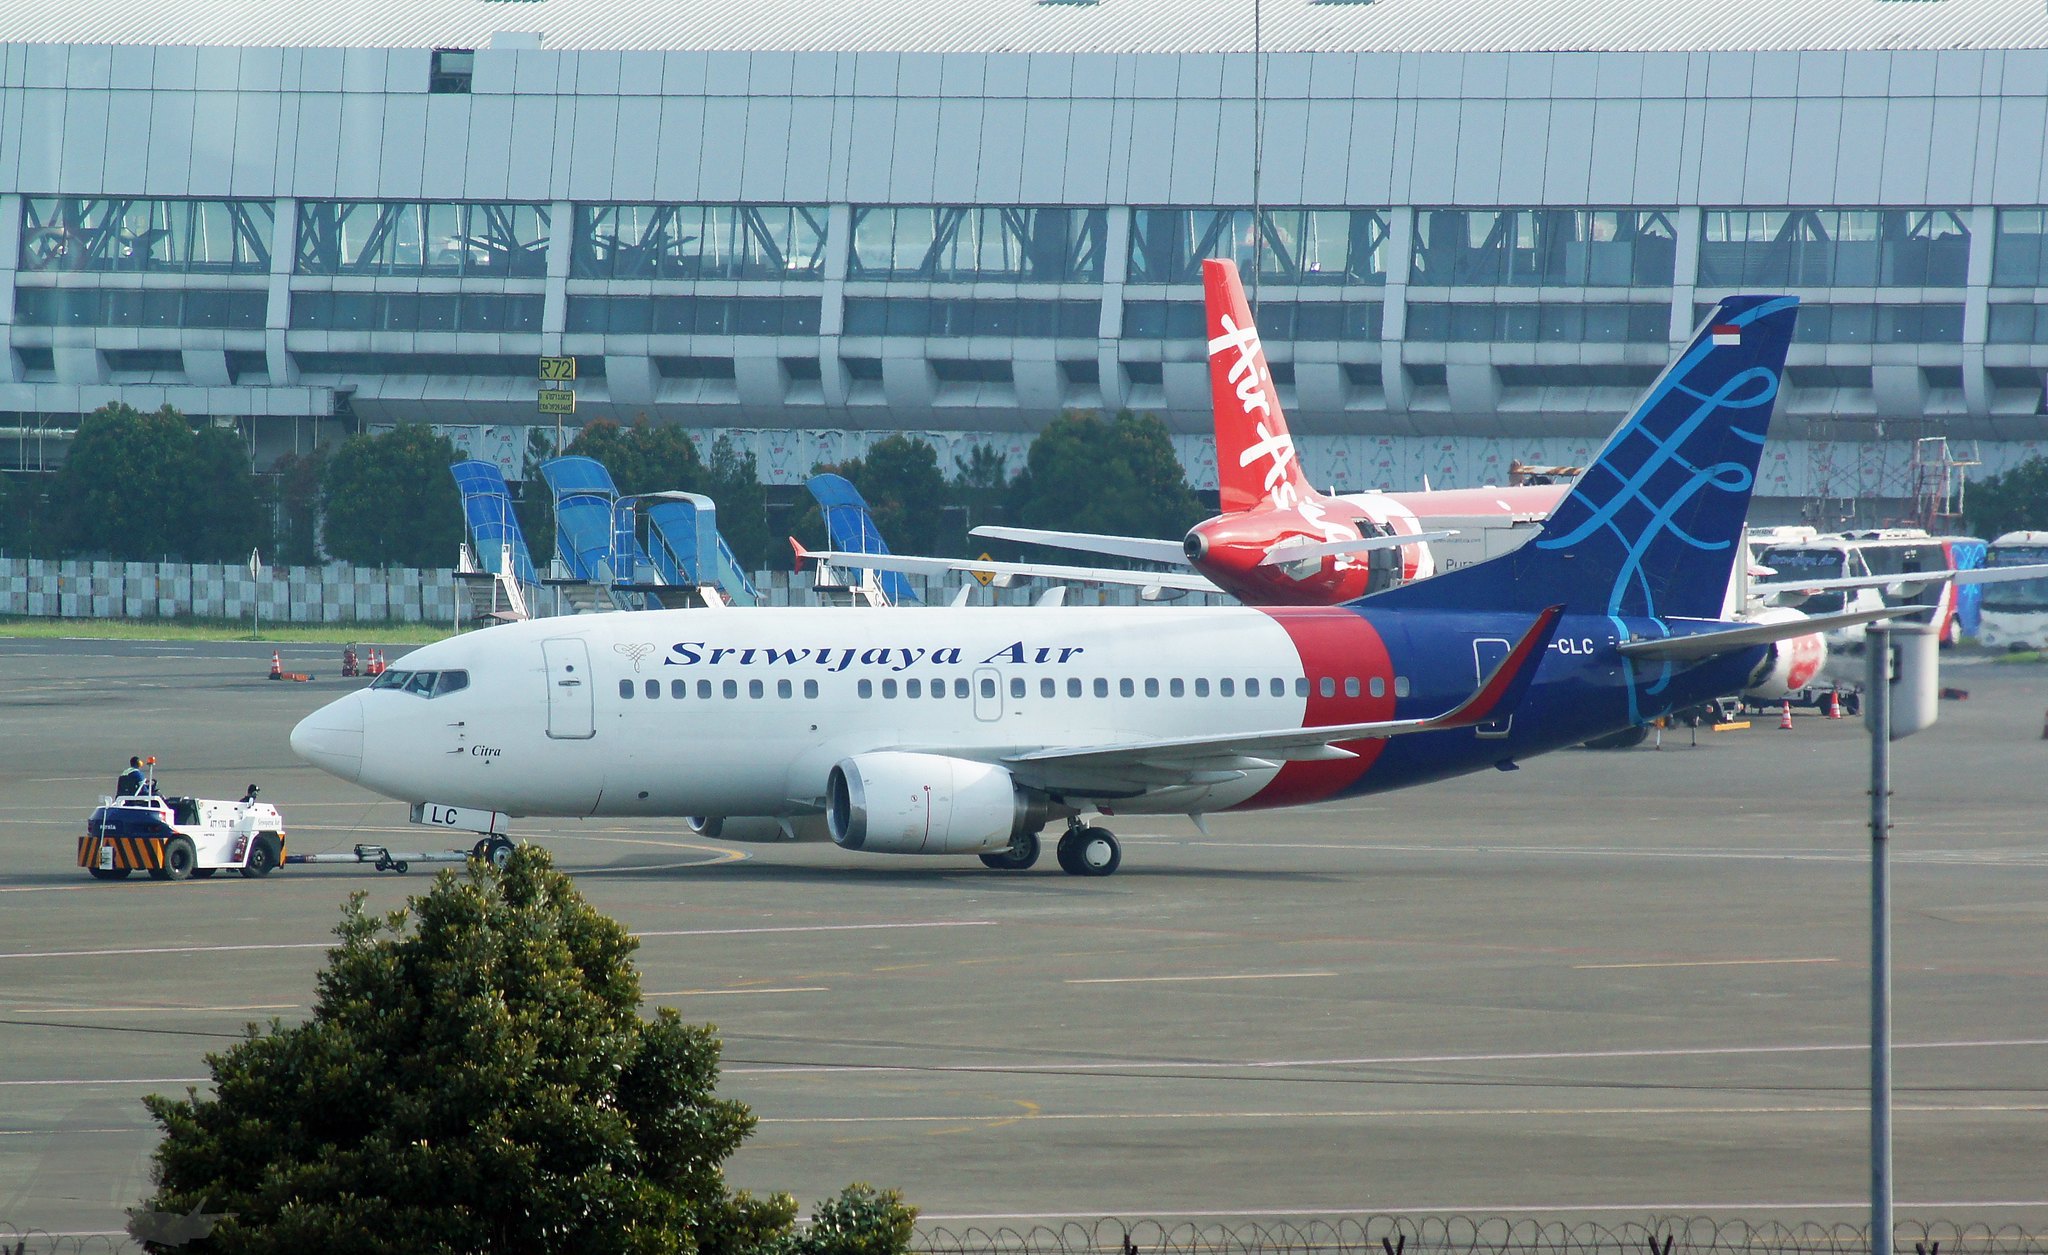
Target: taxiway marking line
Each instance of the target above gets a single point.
(812, 928)
(1151, 980)
(121, 1010)
(1204, 1065)
(118, 1080)
(1429, 1113)
(87, 954)
(327, 945)
(713, 993)
(1605, 967)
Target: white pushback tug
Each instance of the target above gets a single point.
(172, 838)
(175, 838)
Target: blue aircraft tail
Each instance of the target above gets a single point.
(1654, 525)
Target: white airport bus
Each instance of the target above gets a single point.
(2015, 615)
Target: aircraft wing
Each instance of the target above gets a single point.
(1708, 644)
(1907, 583)
(1183, 581)
(1284, 554)
(1169, 761)
(1141, 547)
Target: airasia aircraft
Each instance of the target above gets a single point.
(967, 731)
(1277, 542)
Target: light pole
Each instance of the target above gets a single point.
(1901, 700)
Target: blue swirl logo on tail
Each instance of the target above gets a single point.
(1658, 516)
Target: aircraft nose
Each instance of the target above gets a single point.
(331, 738)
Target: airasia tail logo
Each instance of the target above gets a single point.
(1253, 383)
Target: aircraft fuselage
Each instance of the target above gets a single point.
(745, 712)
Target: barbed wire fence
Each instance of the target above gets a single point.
(1369, 1235)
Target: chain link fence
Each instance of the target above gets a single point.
(1371, 1235)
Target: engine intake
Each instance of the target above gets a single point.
(900, 803)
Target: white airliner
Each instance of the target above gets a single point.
(966, 731)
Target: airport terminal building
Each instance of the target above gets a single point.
(1478, 231)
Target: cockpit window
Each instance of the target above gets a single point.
(423, 683)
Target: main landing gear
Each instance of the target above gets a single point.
(1082, 851)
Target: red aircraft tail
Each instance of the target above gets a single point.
(1255, 462)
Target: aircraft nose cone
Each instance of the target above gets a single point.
(331, 738)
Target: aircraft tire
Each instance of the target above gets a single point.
(1090, 852)
(1023, 852)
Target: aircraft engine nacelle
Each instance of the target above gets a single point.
(1791, 664)
(899, 803)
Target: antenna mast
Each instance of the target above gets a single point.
(1258, 147)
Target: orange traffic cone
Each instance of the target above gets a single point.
(1785, 717)
(1834, 705)
(276, 665)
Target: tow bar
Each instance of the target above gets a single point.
(493, 849)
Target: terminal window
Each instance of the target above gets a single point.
(343, 237)
(1020, 244)
(1291, 246)
(114, 234)
(1863, 248)
(698, 242)
(1553, 247)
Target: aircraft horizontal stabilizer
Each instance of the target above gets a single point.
(1905, 584)
(1709, 644)
(1182, 580)
(1494, 699)
(1143, 548)
(1284, 554)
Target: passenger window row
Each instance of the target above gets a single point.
(960, 689)
(423, 683)
(680, 689)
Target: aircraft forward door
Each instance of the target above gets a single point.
(570, 693)
(1487, 654)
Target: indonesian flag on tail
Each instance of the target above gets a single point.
(1727, 334)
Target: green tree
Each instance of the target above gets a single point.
(2012, 502)
(20, 503)
(122, 489)
(733, 480)
(475, 1076)
(981, 488)
(226, 512)
(1120, 477)
(389, 499)
(296, 489)
(646, 457)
